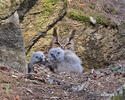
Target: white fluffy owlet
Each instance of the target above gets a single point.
(64, 61)
(36, 57)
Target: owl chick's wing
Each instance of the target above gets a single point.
(71, 57)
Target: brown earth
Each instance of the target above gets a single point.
(93, 85)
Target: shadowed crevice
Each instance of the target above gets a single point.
(25, 7)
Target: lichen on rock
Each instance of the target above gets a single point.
(8, 7)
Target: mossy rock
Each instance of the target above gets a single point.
(36, 21)
(7, 7)
(96, 46)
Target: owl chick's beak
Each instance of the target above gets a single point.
(53, 56)
(63, 47)
(41, 60)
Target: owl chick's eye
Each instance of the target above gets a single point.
(36, 56)
(56, 42)
(58, 53)
(51, 54)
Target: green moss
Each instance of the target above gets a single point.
(8, 89)
(7, 7)
(28, 56)
(112, 10)
(102, 20)
(114, 68)
(78, 8)
(92, 7)
(119, 96)
(1, 6)
(3, 80)
(65, 3)
(85, 19)
(46, 8)
(75, 16)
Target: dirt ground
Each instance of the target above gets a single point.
(92, 85)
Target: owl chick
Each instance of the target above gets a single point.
(36, 57)
(64, 61)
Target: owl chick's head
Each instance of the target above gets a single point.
(37, 57)
(64, 42)
(56, 55)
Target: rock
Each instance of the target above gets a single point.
(92, 20)
(115, 10)
(8, 7)
(25, 7)
(102, 47)
(107, 44)
(38, 20)
(11, 44)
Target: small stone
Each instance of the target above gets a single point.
(92, 20)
